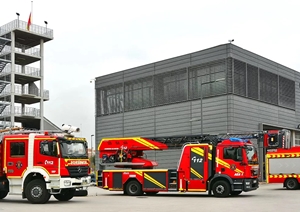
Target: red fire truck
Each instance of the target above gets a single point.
(282, 160)
(207, 163)
(37, 165)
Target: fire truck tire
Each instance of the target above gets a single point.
(3, 194)
(36, 192)
(221, 189)
(291, 184)
(133, 188)
(65, 195)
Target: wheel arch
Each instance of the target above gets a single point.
(132, 179)
(218, 178)
(29, 175)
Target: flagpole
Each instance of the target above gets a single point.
(31, 10)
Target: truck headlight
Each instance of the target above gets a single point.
(67, 182)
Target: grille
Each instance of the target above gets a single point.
(78, 171)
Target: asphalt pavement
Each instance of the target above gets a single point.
(269, 197)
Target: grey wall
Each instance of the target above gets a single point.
(221, 114)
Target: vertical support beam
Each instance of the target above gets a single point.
(12, 84)
(42, 85)
(261, 152)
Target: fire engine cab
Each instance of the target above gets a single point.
(207, 163)
(37, 165)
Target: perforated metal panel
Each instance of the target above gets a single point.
(268, 87)
(239, 77)
(252, 81)
(286, 92)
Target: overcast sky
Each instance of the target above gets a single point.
(95, 38)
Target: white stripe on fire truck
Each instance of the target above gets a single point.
(30, 150)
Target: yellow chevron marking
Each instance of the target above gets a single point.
(146, 143)
(283, 175)
(146, 176)
(209, 156)
(196, 173)
(223, 163)
(139, 173)
(198, 151)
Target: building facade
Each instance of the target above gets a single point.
(223, 89)
(22, 92)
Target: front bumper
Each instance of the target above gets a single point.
(68, 182)
(251, 184)
(245, 185)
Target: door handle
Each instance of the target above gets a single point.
(39, 162)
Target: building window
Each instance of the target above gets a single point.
(170, 87)
(297, 138)
(110, 100)
(17, 149)
(139, 94)
(201, 75)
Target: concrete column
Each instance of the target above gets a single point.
(261, 152)
(12, 84)
(42, 85)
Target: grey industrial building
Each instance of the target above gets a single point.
(22, 93)
(223, 89)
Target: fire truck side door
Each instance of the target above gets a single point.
(46, 156)
(198, 172)
(16, 157)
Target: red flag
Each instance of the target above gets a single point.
(29, 22)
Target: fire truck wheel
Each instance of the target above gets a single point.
(65, 195)
(221, 189)
(36, 192)
(134, 188)
(3, 194)
(291, 184)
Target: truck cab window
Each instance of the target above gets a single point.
(17, 149)
(48, 148)
(234, 153)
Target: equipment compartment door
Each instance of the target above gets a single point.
(199, 163)
(16, 158)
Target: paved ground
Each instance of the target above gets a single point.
(269, 197)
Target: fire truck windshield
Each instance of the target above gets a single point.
(251, 155)
(73, 149)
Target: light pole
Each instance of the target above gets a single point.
(46, 25)
(201, 97)
(92, 144)
(18, 14)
